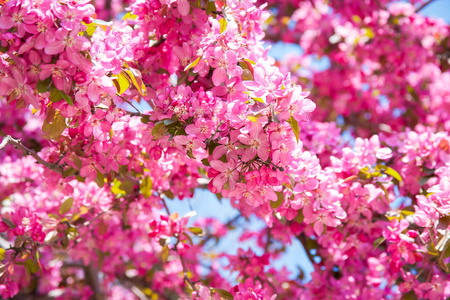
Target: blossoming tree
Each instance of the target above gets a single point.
(86, 180)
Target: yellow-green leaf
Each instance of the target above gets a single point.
(224, 294)
(250, 61)
(389, 171)
(67, 98)
(54, 129)
(223, 25)
(378, 242)
(165, 253)
(159, 130)
(196, 230)
(100, 179)
(356, 19)
(129, 16)
(192, 64)
(295, 127)
(146, 187)
(252, 118)
(115, 189)
(31, 266)
(122, 83)
(2, 253)
(9, 223)
(279, 201)
(135, 76)
(66, 206)
(259, 99)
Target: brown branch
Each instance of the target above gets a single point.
(423, 5)
(91, 278)
(302, 240)
(268, 242)
(185, 269)
(18, 145)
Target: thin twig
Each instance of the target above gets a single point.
(302, 240)
(268, 242)
(165, 205)
(185, 269)
(423, 5)
(18, 145)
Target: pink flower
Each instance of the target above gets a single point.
(257, 141)
(225, 65)
(27, 222)
(438, 288)
(19, 89)
(60, 78)
(321, 218)
(69, 41)
(202, 129)
(228, 174)
(406, 250)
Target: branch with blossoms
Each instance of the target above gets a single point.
(8, 140)
(222, 109)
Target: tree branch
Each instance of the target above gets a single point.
(423, 5)
(18, 145)
(302, 240)
(91, 277)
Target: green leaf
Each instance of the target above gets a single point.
(279, 201)
(196, 3)
(300, 217)
(55, 95)
(247, 70)
(2, 253)
(66, 206)
(54, 129)
(295, 127)
(159, 130)
(224, 294)
(386, 194)
(411, 295)
(206, 162)
(378, 242)
(146, 187)
(67, 98)
(188, 239)
(163, 71)
(31, 265)
(145, 119)
(182, 78)
(69, 172)
(169, 194)
(197, 231)
(432, 249)
(9, 223)
(42, 85)
(210, 7)
(100, 179)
